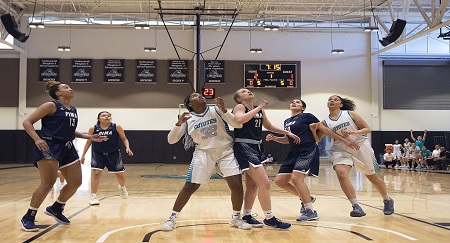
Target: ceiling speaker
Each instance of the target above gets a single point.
(394, 33)
(11, 26)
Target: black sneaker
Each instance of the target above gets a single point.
(28, 225)
(249, 219)
(388, 206)
(357, 211)
(57, 215)
(277, 224)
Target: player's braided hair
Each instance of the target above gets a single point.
(51, 87)
(186, 103)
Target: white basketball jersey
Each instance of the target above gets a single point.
(344, 122)
(209, 130)
(397, 148)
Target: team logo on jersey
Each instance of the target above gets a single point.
(105, 133)
(71, 114)
(340, 126)
(258, 115)
(205, 123)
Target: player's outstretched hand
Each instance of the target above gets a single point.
(98, 138)
(220, 104)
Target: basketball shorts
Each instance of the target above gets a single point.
(363, 159)
(247, 153)
(303, 159)
(112, 161)
(64, 152)
(204, 162)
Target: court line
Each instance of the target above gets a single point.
(409, 217)
(376, 228)
(107, 234)
(149, 235)
(57, 224)
(16, 167)
(4, 205)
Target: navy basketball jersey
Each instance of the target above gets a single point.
(60, 126)
(110, 145)
(251, 129)
(299, 125)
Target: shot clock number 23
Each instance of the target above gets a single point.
(270, 75)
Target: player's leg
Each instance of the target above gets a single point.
(237, 195)
(48, 170)
(72, 173)
(308, 214)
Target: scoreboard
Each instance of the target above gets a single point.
(270, 75)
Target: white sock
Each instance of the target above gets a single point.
(354, 201)
(309, 206)
(174, 215)
(237, 214)
(268, 214)
(386, 197)
(247, 212)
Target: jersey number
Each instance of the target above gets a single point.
(258, 123)
(72, 122)
(209, 132)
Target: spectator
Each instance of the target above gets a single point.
(425, 155)
(443, 163)
(420, 141)
(414, 153)
(435, 157)
(389, 159)
(406, 156)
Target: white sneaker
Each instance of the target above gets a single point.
(94, 200)
(169, 225)
(237, 222)
(123, 192)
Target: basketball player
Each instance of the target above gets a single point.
(207, 129)
(347, 123)
(107, 154)
(303, 158)
(249, 150)
(397, 152)
(55, 150)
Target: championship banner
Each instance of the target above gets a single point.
(48, 70)
(145, 71)
(114, 70)
(178, 71)
(81, 70)
(214, 72)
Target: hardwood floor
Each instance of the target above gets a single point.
(422, 209)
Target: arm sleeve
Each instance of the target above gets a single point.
(176, 133)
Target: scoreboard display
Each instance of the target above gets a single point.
(270, 75)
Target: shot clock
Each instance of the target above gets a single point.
(270, 75)
(209, 93)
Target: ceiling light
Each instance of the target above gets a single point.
(271, 27)
(142, 26)
(63, 48)
(255, 50)
(150, 49)
(35, 25)
(371, 29)
(337, 51)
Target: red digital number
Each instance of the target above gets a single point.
(251, 83)
(209, 92)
